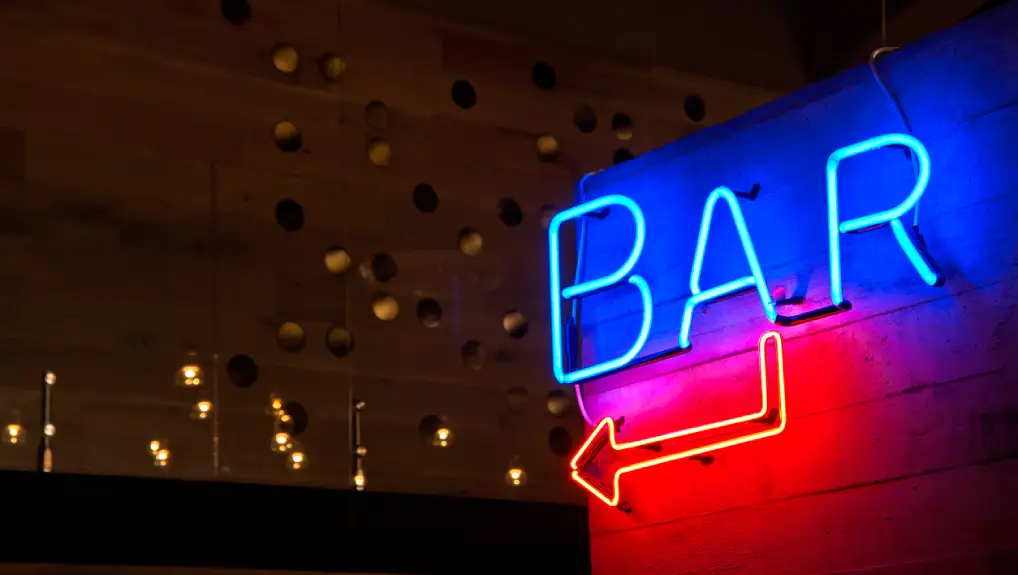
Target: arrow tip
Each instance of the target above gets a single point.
(602, 436)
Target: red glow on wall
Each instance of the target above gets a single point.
(688, 442)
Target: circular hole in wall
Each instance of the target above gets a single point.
(298, 422)
(463, 94)
(695, 107)
(379, 153)
(285, 58)
(236, 12)
(560, 442)
(383, 267)
(515, 324)
(543, 75)
(425, 198)
(509, 212)
(473, 354)
(622, 125)
(621, 155)
(337, 260)
(376, 114)
(339, 341)
(429, 426)
(290, 336)
(517, 399)
(242, 371)
(559, 403)
(547, 148)
(470, 241)
(547, 213)
(289, 215)
(287, 136)
(429, 312)
(332, 67)
(585, 119)
(385, 307)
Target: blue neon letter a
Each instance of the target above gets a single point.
(754, 279)
(596, 284)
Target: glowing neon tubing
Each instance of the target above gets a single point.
(892, 215)
(617, 446)
(755, 278)
(594, 285)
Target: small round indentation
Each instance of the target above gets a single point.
(509, 212)
(463, 94)
(559, 403)
(695, 107)
(425, 198)
(376, 114)
(385, 307)
(560, 441)
(429, 312)
(379, 153)
(289, 215)
(383, 267)
(585, 119)
(473, 354)
(290, 336)
(332, 67)
(515, 324)
(517, 399)
(547, 148)
(547, 213)
(470, 241)
(236, 12)
(285, 58)
(544, 76)
(622, 125)
(337, 260)
(298, 421)
(242, 371)
(339, 341)
(621, 155)
(287, 136)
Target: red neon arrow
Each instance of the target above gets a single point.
(604, 434)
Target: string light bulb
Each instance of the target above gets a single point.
(443, 437)
(275, 408)
(154, 446)
(14, 434)
(161, 457)
(297, 460)
(201, 410)
(359, 480)
(190, 374)
(282, 442)
(516, 476)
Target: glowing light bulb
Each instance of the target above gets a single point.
(362, 451)
(15, 434)
(275, 408)
(161, 457)
(516, 477)
(154, 446)
(201, 409)
(282, 442)
(297, 460)
(190, 375)
(443, 437)
(359, 480)
(50, 430)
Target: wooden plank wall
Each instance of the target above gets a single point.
(901, 451)
(150, 212)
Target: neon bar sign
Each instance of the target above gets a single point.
(753, 281)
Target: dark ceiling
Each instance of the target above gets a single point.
(775, 44)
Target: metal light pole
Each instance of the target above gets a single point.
(44, 461)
